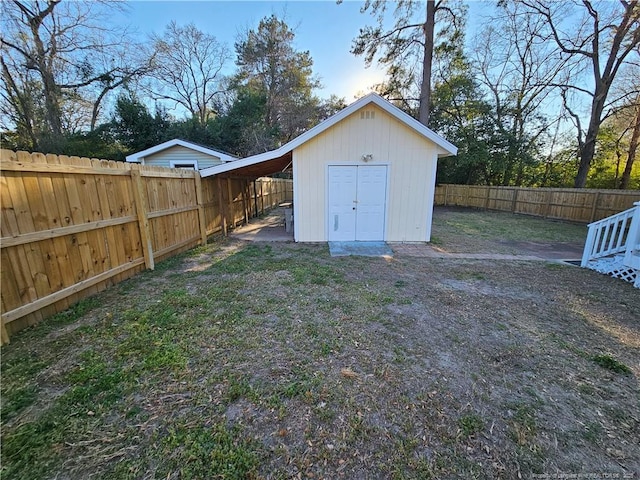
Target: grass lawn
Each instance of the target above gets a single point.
(240, 360)
(497, 232)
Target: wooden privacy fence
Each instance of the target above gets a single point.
(72, 226)
(577, 205)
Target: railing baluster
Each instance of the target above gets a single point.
(606, 239)
(623, 230)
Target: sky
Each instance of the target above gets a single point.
(324, 28)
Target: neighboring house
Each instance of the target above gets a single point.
(367, 173)
(180, 154)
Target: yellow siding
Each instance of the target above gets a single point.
(179, 153)
(411, 161)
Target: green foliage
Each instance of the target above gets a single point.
(470, 424)
(274, 72)
(134, 127)
(98, 143)
(242, 130)
(16, 400)
(461, 116)
(97, 384)
(610, 363)
(206, 452)
(610, 159)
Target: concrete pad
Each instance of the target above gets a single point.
(270, 228)
(362, 249)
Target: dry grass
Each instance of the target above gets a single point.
(278, 361)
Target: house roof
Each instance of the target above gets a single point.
(139, 156)
(266, 162)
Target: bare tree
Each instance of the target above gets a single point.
(189, 68)
(61, 52)
(603, 39)
(517, 66)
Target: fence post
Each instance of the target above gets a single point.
(515, 200)
(594, 207)
(547, 203)
(143, 221)
(486, 200)
(200, 202)
(4, 337)
(445, 194)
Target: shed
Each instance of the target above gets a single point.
(367, 173)
(178, 153)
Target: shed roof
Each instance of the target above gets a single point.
(139, 156)
(274, 161)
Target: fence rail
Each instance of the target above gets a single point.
(577, 205)
(72, 226)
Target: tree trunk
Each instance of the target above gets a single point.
(588, 148)
(53, 112)
(427, 60)
(633, 148)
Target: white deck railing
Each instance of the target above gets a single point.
(610, 235)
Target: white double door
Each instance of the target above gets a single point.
(357, 202)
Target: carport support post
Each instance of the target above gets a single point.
(255, 198)
(243, 189)
(246, 196)
(230, 210)
(223, 216)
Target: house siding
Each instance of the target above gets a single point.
(179, 153)
(411, 161)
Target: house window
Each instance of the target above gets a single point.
(188, 164)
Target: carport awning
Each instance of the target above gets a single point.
(264, 168)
